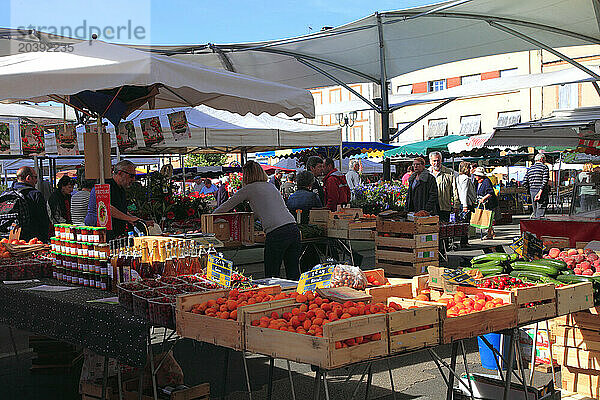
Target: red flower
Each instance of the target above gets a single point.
(190, 212)
(170, 215)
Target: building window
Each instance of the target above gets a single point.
(357, 133)
(507, 118)
(358, 88)
(509, 72)
(318, 96)
(335, 96)
(404, 89)
(568, 96)
(437, 128)
(467, 79)
(399, 127)
(470, 124)
(436, 86)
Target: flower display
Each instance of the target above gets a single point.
(381, 196)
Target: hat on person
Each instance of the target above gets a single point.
(479, 171)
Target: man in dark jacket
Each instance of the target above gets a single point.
(422, 189)
(314, 164)
(303, 198)
(336, 187)
(38, 223)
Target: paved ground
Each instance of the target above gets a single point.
(415, 375)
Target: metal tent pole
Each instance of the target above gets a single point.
(100, 150)
(385, 106)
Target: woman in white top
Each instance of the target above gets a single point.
(282, 242)
(466, 195)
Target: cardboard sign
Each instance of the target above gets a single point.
(528, 246)
(448, 279)
(219, 270)
(315, 278)
(103, 206)
(91, 152)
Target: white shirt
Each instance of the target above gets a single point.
(353, 179)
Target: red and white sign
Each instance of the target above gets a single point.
(103, 206)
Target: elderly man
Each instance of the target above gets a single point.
(422, 189)
(352, 176)
(33, 216)
(446, 185)
(123, 177)
(536, 179)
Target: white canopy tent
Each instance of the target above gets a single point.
(369, 167)
(562, 128)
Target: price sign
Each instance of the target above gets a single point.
(517, 246)
(219, 270)
(103, 206)
(528, 246)
(458, 277)
(315, 278)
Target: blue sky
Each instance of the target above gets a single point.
(186, 22)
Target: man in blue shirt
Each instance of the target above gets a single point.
(208, 188)
(303, 198)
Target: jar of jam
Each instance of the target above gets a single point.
(78, 249)
(102, 251)
(103, 265)
(104, 282)
(102, 235)
(76, 233)
(57, 230)
(86, 279)
(93, 236)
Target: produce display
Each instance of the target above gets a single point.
(347, 275)
(459, 303)
(312, 312)
(582, 262)
(503, 282)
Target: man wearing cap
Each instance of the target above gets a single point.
(536, 179)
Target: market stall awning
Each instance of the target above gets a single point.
(368, 166)
(424, 147)
(349, 148)
(203, 128)
(563, 128)
(469, 144)
(113, 80)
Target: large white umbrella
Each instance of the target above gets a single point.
(146, 80)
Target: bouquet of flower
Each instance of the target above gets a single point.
(378, 197)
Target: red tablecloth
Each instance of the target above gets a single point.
(576, 231)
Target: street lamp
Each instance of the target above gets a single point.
(345, 121)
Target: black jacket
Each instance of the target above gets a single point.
(424, 195)
(39, 225)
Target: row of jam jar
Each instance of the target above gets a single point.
(92, 234)
(84, 264)
(88, 279)
(82, 249)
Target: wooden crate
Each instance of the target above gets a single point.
(319, 351)
(240, 225)
(406, 262)
(556, 241)
(546, 294)
(480, 322)
(582, 381)
(573, 298)
(415, 328)
(221, 332)
(351, 224)
(353, 234)
(198, 392)
(410, 241)
(319, 217)
(576, 358)
(418, 226)
(380, 294)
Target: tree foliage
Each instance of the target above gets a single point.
(201, 160)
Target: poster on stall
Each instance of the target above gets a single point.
(103, 206)
(152, 131)
(4, 138)
(32, 139)
(179, 125)
(126, 138)
(66, 140)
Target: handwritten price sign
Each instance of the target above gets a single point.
(317, 278)
(219, 270)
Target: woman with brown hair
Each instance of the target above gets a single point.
(282, 242)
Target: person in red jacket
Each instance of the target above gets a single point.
(335, 185)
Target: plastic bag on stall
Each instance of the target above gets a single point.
(348, 275)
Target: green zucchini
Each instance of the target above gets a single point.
(494, 263)
(533, 267)
(530, 275)
(559, 264)
(490, 257)
(489, 270)
(567, 272)
(571, 279)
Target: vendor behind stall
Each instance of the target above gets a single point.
(422, 189)
(283, 237)
(123, 177)
(303, 198)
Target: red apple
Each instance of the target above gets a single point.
(587, 272)
(563, 254)
(577, 271)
